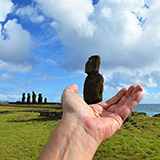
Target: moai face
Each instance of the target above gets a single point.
(92, 64)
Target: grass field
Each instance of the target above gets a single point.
(24, 134)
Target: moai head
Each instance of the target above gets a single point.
(92, 64)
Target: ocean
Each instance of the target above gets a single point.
(150, 109)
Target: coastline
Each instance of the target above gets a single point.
(149, 109)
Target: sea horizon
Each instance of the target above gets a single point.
(149, 109)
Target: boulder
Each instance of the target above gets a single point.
(157, 115)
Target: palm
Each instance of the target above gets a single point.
(105, 118)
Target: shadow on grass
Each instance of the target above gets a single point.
(39, 119)
(30, 111)
(44, 116)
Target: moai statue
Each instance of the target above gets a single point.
(45, 100)
(93, 86)
(40, 98)
(28, 98)
(33, 97)
(23, 98)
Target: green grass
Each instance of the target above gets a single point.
(137, 139)
(23, 135)
(24, 107)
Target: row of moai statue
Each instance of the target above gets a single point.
(40, 98)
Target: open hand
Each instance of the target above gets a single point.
(103, 119)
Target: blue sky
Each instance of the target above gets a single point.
(44, 46)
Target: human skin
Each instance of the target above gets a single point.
(84, 127)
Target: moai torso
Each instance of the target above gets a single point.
(33, 97)
(23, 98)
(93, 86)
(28, 98)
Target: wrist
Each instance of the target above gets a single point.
(80, 144)
(70, 140)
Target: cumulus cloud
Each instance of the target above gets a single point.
(72, 15)
(11, 94)
(15, 67)
(15, 42)
(5, 8)
(15, 45)
(151, 97)
(126, 34)
(31, 13)
(6, 76)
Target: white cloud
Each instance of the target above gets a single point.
(3, 97)
(15, 45)
(47, 61)
(30, 13)
(131, 30)
(126, 35)
(11, 94)
(16, 42)
(6, 77)
(72, 15)
(124, 77)
(5, 8)
(106, 12)
(24, 84)
(15, 67)
(151, 97)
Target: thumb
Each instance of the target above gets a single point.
(73, 88)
